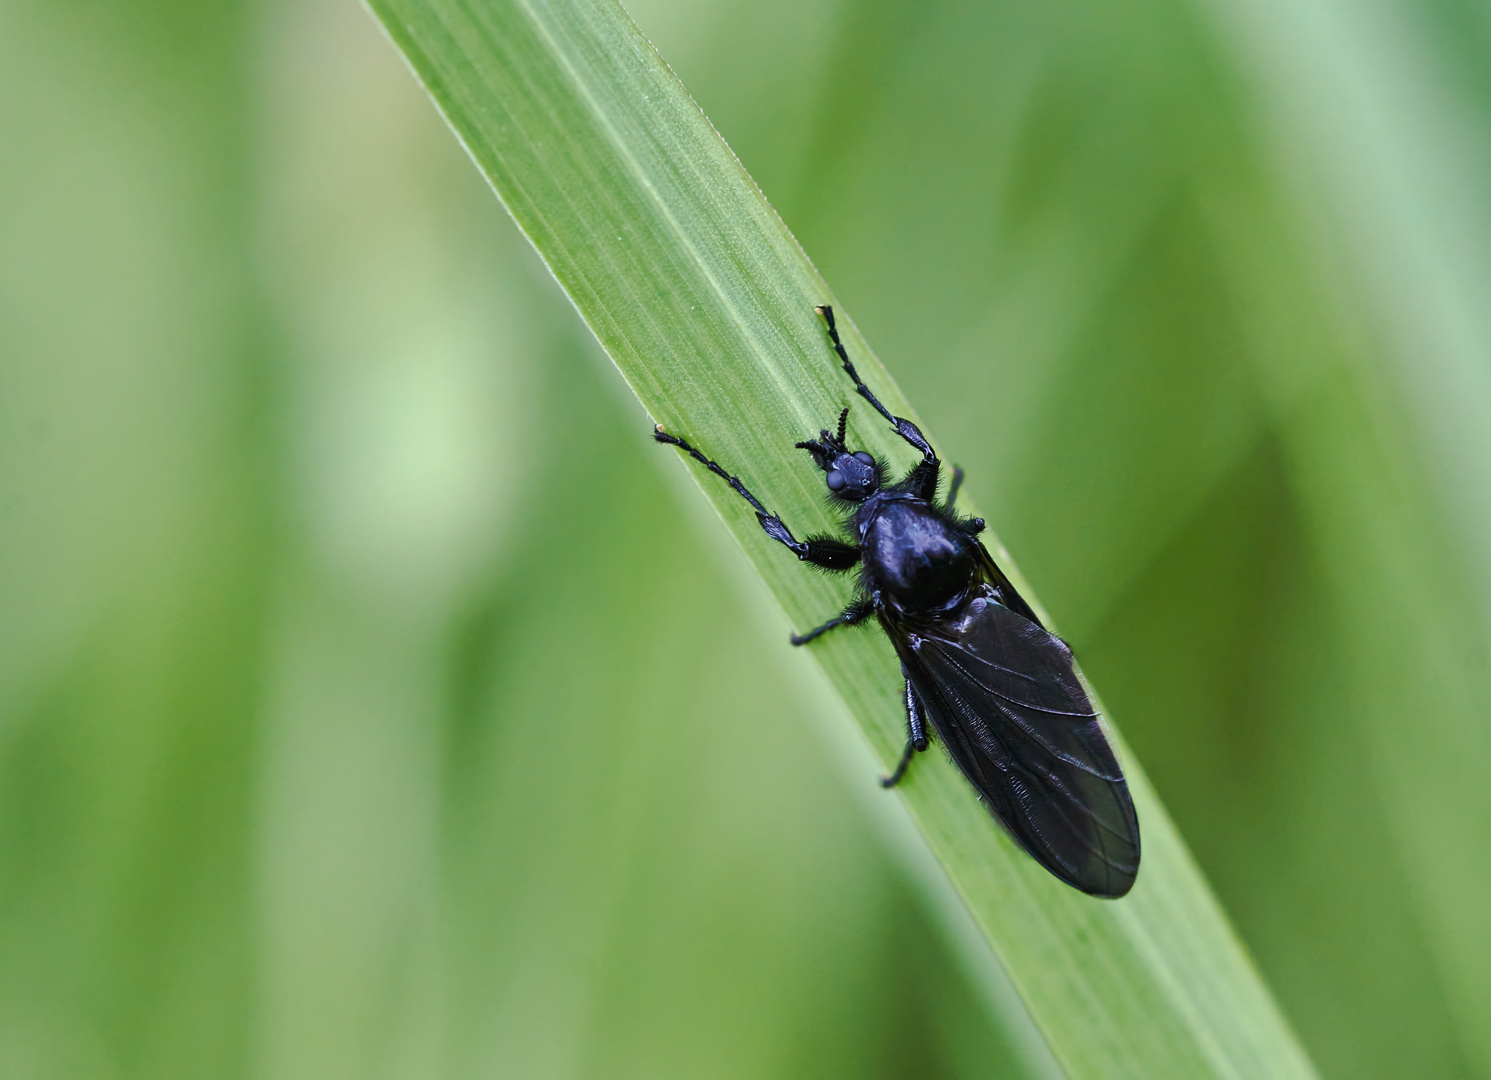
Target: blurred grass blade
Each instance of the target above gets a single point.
(704, 301)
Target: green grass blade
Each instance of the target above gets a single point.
(704, 302)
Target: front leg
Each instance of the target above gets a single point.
(824, 552)
(953, 488)
(923, 480)
(973, 526)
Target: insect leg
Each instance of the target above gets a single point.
(973, 526)
(924, 478)
(826, 552)
(901, 766)
(855, 612)
(916, 734)
(952, 492)
(859, 384)
(916, 719)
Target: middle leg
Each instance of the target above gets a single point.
(854, 613)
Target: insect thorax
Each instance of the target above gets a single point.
(914, 554)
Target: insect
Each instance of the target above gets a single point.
(998, 688)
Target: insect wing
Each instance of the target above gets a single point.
(1004, 589)
(1008, 706)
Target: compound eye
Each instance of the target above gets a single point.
(835, 480)
(866, 458)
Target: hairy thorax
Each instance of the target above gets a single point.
(913, 554)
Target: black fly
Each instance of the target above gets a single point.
(998, 687)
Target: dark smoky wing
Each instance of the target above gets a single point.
(1007, 704)
(1008, 595)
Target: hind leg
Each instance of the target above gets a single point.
(916, 734)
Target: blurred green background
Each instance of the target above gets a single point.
(376, 701)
